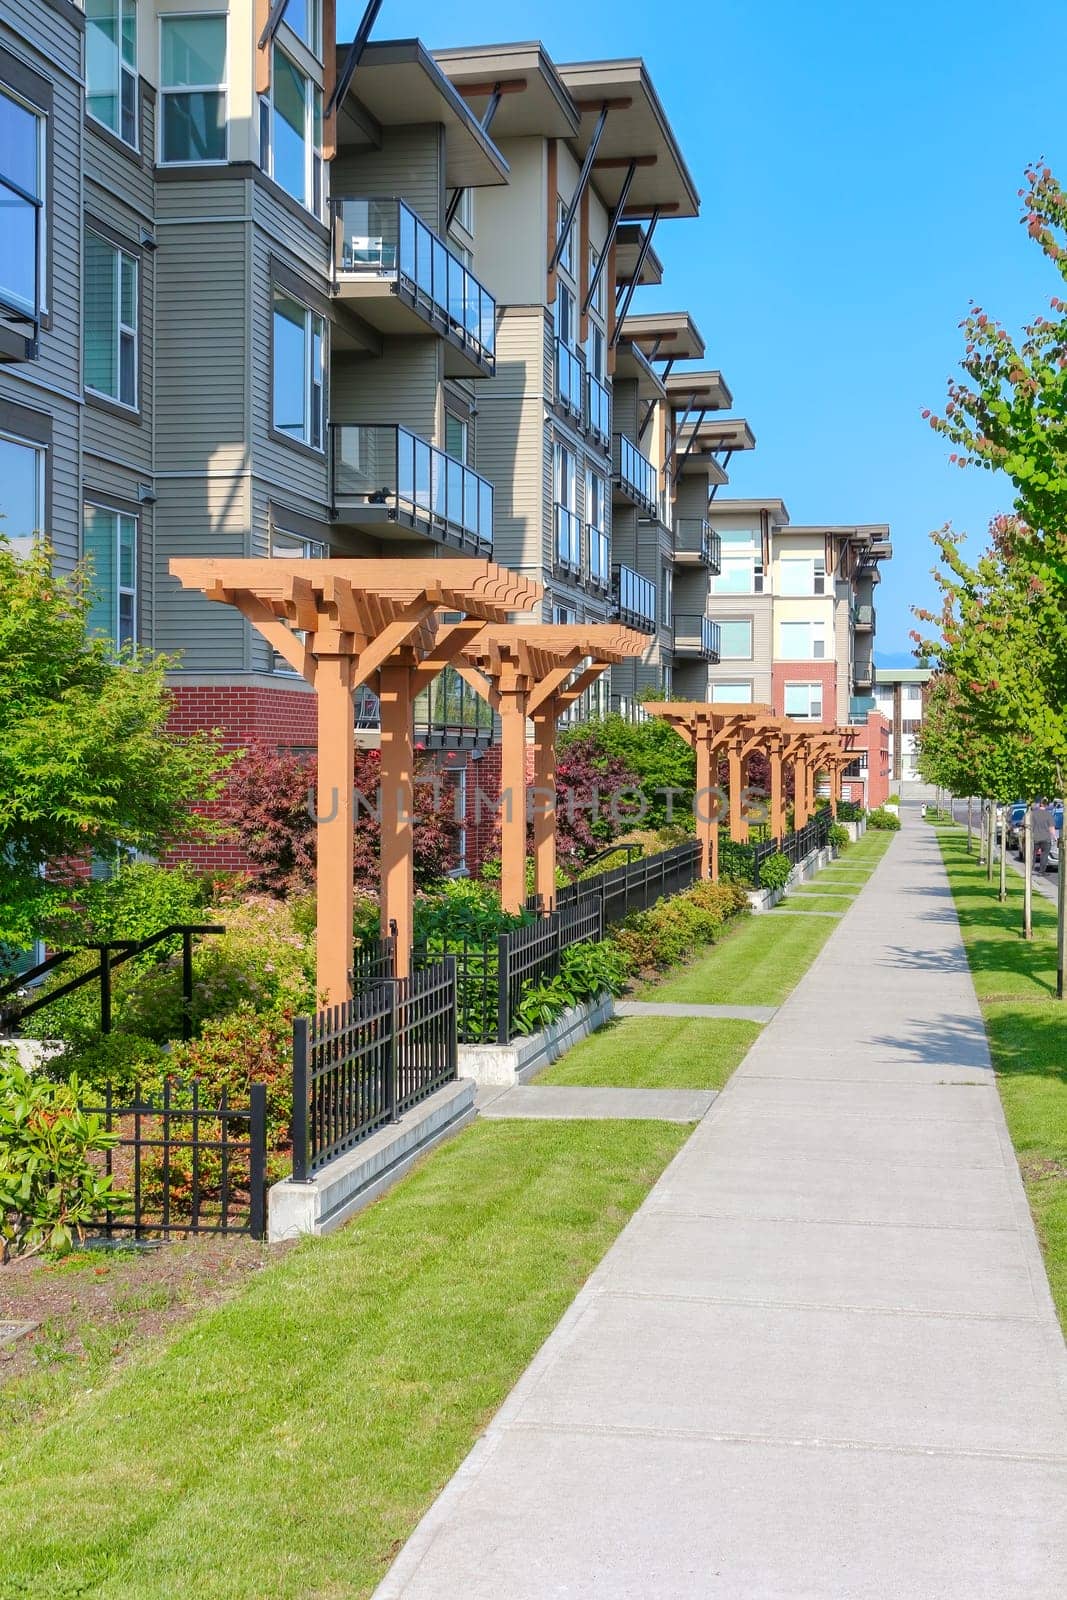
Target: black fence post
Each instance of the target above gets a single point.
(105, 988)
(503, 998)
(257, 1160)
(452, 1020)
(392, 1048)
(300, 1099)
(187, 984)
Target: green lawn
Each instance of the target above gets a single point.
(657, 1053)
(795, 900)
(286, 1443)
(1027, 1030)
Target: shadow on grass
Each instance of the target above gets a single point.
(1031, 1043)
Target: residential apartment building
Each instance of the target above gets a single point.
(900, 695)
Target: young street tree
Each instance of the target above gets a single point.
(87, 765)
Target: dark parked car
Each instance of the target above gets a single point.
(1015, 816)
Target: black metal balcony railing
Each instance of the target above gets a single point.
(599, 557)
(695, 536)
(863, 674)
(863, 618)
(450, 714)
(569, 379)
(386, 239)
(634, 472)
(380, 465)
(696, 635)
(598, 409)
(635, 599)
(568, 540)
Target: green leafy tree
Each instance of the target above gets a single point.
(652, 752)
(87, 764)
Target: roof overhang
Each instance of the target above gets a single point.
(670, 335)
(698, 391)
(534, 99)
(398, 83)
(631, 362)
(717, 434)
(776, 509)
(636, 128)
(627, 249)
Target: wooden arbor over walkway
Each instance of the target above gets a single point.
(340, 624)
(740, 731)
(526, 671)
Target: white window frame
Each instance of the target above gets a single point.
(736, 622)
(597, 302)
(120, 588)
(125, 71)
(314, 44)
(666, 595)
(719, 697)
(565, 296)
(566, 259)
(314, 197)
(310, 318)
(123, 330)
(792, 564)
(41, 452)
(464, 426)
(815, 649)
(41, 196)
(814, 689)
(222, 88)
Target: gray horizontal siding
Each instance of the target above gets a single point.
(512, 442)
(401, 387)
(200, 517)
(56, 37)
(127, 176)
(410, 165)
(275, 459)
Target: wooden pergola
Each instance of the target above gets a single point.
(536, 673)
(341, 624)
(711, 729)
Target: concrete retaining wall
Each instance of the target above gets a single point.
(764, 899)
(517, 1062)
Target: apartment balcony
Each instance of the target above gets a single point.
(863, 619)
(597, 409)
(389, 483)
(570, 381)
(696, 637)
(863, 675)
(450, 715)
(20, 273)
(402, 278)
(634, 476)
(568, 557)
(634, 599)
(598, 573)
(696, 544)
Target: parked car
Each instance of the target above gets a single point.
(1015, 815)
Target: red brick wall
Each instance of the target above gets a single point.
(873, 737)
(824, 672)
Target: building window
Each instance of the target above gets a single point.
(110, 545)
(305, 19)
(802, 575)
(295, 142)
(596, 352)
(111, 320)
(597, 302)
(731, 694)
(456, 434)
(735, 640)
(666, 590)
(566, 321)
(566, 260)
(804, 700)
(739, 564)
(913, 694)
(21, 493)
(22, 214)
(464, 217)
(564, 616)
(802, 641)
(596, 515)
(568, 523)
(111, 65)
(193, 84)
(298, 385)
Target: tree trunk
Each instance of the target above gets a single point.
(991, 819)
(1028, 880)
(970, 823)
(1061, 917)
(1002, 893)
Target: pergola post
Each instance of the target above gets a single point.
(544, 808)
(777, 807)
(738, 825)
(836, 768)
(512, 799)
(398, 811)
(335, 823)
(707, 809)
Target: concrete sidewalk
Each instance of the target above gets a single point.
(821, 1362)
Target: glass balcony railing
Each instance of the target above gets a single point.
(386, 239)
(696, 635)
(449, 714)
(379, 465)
(635, 599)
(599, 557)
(598, 408)
(634, 473)
(569, 379)
(568, 540)
(694, 536)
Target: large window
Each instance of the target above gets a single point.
(22, 172)
(802, 641)
(21, 492)
(735, 640)
(566, 260)
(666, 595)
(742, 568)
(193, 84)
(456, 437)
(568, 525)
(802, 575)
(111, 65)
(305, 19)
(804, 700)
(110, 544)
(299, 364)
(111, 321)
(295, 144)
(731, 694)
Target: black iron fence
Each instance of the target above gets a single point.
(361, 1065)
(18, 1002)
(189, 1165)
(797, 846)
(636, 885)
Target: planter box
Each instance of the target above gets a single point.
(764, 899)
(856, 830)
(505, 1065)
(346, 1185)
(894, 810)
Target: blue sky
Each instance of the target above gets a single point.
(858, 166)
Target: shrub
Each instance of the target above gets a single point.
(140, 900)
(242, 1048)
(839, 837)
(850, 811)
(885, 821)
(775, 872)
(127, 1062)
(665, 934)
(894, 800)
(586, 972)
(463, 909)
(50, 1187)
(737, 862)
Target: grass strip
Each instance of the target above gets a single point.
(656, 1053)
(287, 1442)
(1027, 1031)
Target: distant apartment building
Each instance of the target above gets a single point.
(900, 696)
